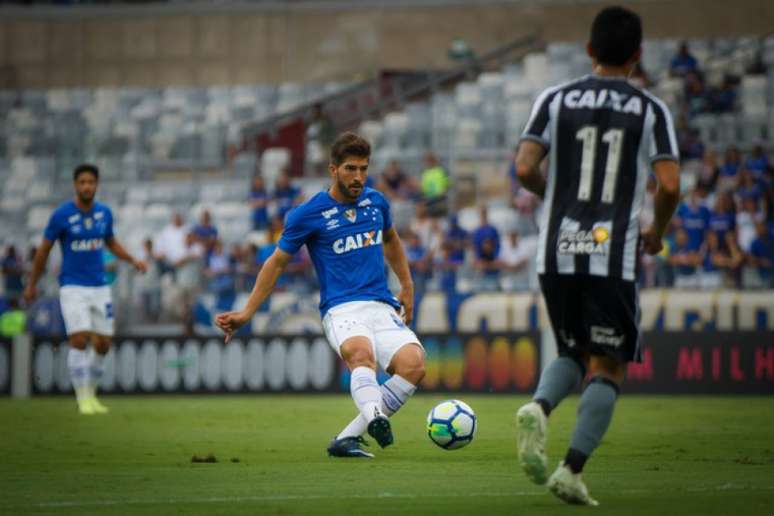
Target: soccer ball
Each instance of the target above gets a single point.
(451, 424)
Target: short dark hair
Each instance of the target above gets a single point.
(616, 35)
(349, 144)
(84, 168)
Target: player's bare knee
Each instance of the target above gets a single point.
(358, 353)
(360, 359)
(607, 367)
(102, 344)
(409, 363)
(79, 340)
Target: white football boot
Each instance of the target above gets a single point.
(569, 486)
(531, 430)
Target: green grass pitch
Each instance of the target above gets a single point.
(662, 456)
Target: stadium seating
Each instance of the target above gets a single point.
(134, 133)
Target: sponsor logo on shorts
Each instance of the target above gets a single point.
(584, 242)
(357, 241)
(606, 336)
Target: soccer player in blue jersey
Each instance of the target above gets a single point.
(83, 227)
(348, 231)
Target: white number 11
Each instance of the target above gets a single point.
(614, 140)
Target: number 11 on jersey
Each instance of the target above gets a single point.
(614, 139)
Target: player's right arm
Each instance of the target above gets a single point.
(229, 322)
(298, 230)
(38, 264)
(54, 230)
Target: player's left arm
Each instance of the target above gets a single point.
(528, 159)
(117, 249)
(396, 257)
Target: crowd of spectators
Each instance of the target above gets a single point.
(721, 236)
(723, 231)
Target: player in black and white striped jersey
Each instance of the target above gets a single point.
(602, 136)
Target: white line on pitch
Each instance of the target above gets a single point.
(270, 498)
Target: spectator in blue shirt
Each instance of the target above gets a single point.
(697, 98)
(259, 202)
(691, 146)
(420, 260)
(694, 218)
(395, 184)
(220, 271)
(708, 170)
(486, 245)
(748, 188)
(286, 196)
(683, 62)
(483, 233)
(13, 271)
(723, 219)
(724, 98)
(730, 167)
(719, 262)
(758, 165)
(457, 240)
(685, 261)
(762, 254)
(205, 232)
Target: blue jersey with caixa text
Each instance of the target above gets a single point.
(345, 244)
(82, 236)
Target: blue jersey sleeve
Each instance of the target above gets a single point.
(54, 227)
(109, 225)
(297, 231)
(384, 205)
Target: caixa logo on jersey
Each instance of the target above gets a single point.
(596, 241)
(610, 99)
(357, 241)
(88, 244)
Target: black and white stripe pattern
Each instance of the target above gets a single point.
(623, 130)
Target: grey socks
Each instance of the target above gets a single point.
(557, 381)
(595, 412)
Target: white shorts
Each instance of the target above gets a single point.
(87, 309)
(377, 321)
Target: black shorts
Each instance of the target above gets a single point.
(592, 314)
